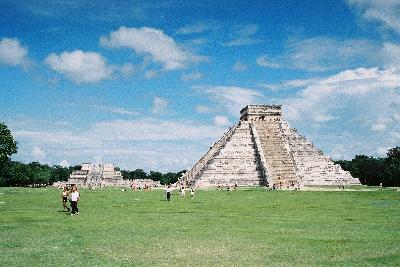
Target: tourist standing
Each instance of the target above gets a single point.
(168, 191)
(183, 191)
(74, 201)
(191, 193)
(64, 198)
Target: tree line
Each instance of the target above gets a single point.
(370, 171)
(375, 171)
(14, 173)
(163, 178)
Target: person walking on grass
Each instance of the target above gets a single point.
(183, 191)
(74, 201)
(168, 191)
(64, 198)
(191, 193)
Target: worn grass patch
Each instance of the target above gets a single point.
(245, 227)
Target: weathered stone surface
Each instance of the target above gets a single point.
(97, 175)
(262, 149)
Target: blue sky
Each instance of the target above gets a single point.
(152, 85)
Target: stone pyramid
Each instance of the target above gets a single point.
(262, 150)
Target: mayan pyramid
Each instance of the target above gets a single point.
(262, 150)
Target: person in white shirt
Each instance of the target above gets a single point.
(191, 193)
(182, 191)
(74, 201)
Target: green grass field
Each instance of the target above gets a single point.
(250, 227)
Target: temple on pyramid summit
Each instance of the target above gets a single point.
(262, 150)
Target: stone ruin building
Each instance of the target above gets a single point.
(262, 150)
(96, 175)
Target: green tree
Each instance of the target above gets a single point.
(139, 174)
(155, 176)
(59, 173)
(19, 174)
(168, 178)
(8, 146)
(391, 175)
(368, 169)
(126, 175)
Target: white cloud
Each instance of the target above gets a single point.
(382, 150)
(231, 98)
(64, 163)
(127, 69)
(38, 154)
(323, 54)
(379, 127)
(79, 66)
(117, 110)
(355, 108)
(12, 53)
(160, 105)
(202, 109)
(196, 28)
(264, 62)
(147, 143)
(154, 43)
(390, 54)
(150, 74)
(239, 67)
(290, 84)
(221, 121)
(385, 12)
(197, 41)
(192, 76)
(244, 35)
(358, 85)
(151, 129)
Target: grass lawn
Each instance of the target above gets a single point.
(250, 227)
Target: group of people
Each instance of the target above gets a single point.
(227, 186)
(182, 189)
(73, 196)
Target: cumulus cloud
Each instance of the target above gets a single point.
(264, 62)
(202, 109)
(160, 105)
(244, 35)
(289, 84)
(221, 121)
(231, 98)
(13, 53)
(151, 129)
(80, 67)
(154, 43)
(192, 76)
(117, 110)
(127, 69)
(321, 54)
(239, 67)
(64, 163)
(150, 74)
(350, 104)
(357, 84)
(385, 12)
(197, 28)
(147, 143)
(37, 154)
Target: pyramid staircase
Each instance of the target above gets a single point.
(280, 164)
(232, 160)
